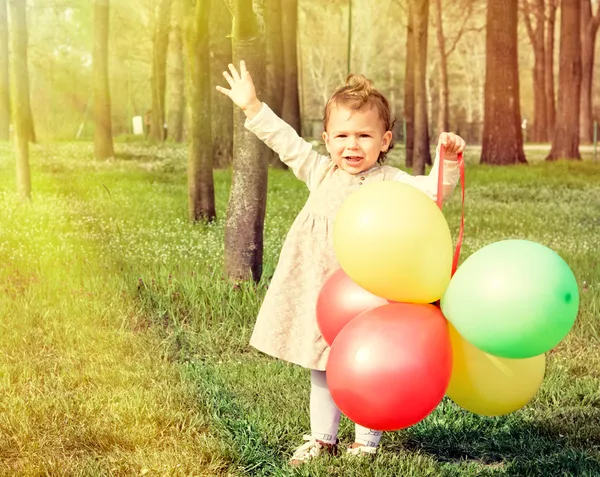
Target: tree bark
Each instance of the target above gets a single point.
(291, 103)
(222, 110)
(20, 93)
(176, 82)
(409, 90)
(421, 154)
(589, 28)
(103, 141)
(162, 19)
(549, 68)
(247, 200)
(201, 192)
(566, 133)
(4, 81)
(536, 36)
(275, 69)
(502, 135)
(443, 108)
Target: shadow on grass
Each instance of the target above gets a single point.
(506, 446)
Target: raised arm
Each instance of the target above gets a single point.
(453, 146)
(294, 151)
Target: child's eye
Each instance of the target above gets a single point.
(365, 135)
(341, 135)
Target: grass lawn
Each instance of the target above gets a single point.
(124, 352)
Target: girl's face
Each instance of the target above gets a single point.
(354, 139)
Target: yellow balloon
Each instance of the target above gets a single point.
(392, 240)
(489, 385)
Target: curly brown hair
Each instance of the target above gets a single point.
(357, 94)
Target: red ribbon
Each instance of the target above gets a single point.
(440, 202)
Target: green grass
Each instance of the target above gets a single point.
(123, 350)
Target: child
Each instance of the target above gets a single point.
(357, 133)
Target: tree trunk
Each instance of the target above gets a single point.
(443, 108)
(589, 28)
(103, 141)
(176, 82)
(4, 81)
(20, 93)
(536, 36)
(421, 154)
(221, 107)
(409, 89)
(566, 133)
(502, 135)
(275, 70)
(291, 104)
(162, 19)
(549, 68)
(247, 200)
(201, 192)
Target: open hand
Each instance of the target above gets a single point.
(242, 91)
(453, 145)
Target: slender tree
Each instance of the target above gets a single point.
(275, 68)
(549, 67)
(176, 77)
(4, 82)
(247, 200)
(502, 135)
(162, 20)
(409, 89)
(220, 57)
(103, 140)
(291, 101)
(535, 23)
(566, 132)
(20, 92)
(589, 29)
(421, 154)
(201, 192)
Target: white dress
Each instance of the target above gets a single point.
(286, 326)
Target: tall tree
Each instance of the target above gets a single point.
(176, 80)
(566, 132)
(409, 89)
(443, 119)
(549, 67)
(535, 22)
(201, 190)
(4, 88)
(20, 92)
(421, 154)
(275, 69)
(291, 101)
(162, 19)
(220, 57)
(589, 28)
(502, 135)
(103, 140)
(247, 201)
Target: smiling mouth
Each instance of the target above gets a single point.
(353, 159)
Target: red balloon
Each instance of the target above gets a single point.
(340, 301)
(389, 368)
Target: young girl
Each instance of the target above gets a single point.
(357, 134)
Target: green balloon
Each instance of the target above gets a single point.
(513, 299)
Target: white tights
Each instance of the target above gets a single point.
(325, 415)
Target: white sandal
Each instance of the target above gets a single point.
(312, 448)
(362, 450)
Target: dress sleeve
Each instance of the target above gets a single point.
(428, 184)
(294, 151)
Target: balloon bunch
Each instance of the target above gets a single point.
(394, 355)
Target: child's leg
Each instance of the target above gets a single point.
(324, 414)
(366, 437)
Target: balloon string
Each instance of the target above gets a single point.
(440, 202)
